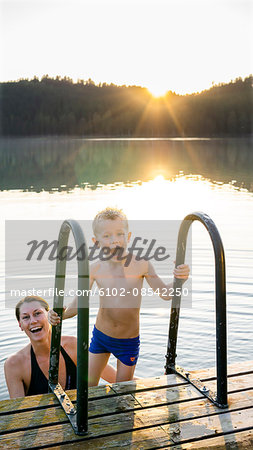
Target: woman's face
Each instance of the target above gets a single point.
(33, 320)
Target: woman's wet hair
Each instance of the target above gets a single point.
(30, 299)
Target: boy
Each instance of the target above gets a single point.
(117, 324)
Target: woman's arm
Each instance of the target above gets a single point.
(13, 377)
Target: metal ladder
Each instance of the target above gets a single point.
(78, 416)
(220, 399)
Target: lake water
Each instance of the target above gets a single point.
(151, 179)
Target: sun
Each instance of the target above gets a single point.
(159, 179)
(157, 90)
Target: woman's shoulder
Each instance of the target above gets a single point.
(17, 359)
(68, 340)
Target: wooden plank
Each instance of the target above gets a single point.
(137, 439)
(234, 383)
(235, 440)
(167, 395)
(177, 412)
(159, 436)
(98, 407)
(209, 426)
(173, 379)
(188, 392)
(148, 383)
(47, 400)
(125, 422)
(55, 415)
(31, 402)
(237, 368)
(179, 391)
(110, 405)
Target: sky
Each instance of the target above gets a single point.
(179, 45)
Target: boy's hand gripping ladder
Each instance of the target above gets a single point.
(221, 335)
(78, 416)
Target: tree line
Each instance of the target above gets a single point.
(58, 106)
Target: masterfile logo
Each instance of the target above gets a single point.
(33, 252)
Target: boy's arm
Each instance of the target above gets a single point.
(67, 313)
(155, 282)
(70, 310)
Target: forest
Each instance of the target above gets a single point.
(60, 107)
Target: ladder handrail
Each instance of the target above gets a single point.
(220, 281)
(78, 418)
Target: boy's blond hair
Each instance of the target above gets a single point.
(109, 214)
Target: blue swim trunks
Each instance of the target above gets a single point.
(126, 350)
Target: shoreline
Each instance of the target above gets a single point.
(128, 138)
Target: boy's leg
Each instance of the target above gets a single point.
(97, 363)
(109, 374)
(124, 372)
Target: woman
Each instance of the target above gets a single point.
(26, 372)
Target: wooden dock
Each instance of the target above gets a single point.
(161, 412)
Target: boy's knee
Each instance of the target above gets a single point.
(92, 383)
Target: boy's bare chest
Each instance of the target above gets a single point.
(119, 281)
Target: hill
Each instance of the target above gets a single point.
(60, 107)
